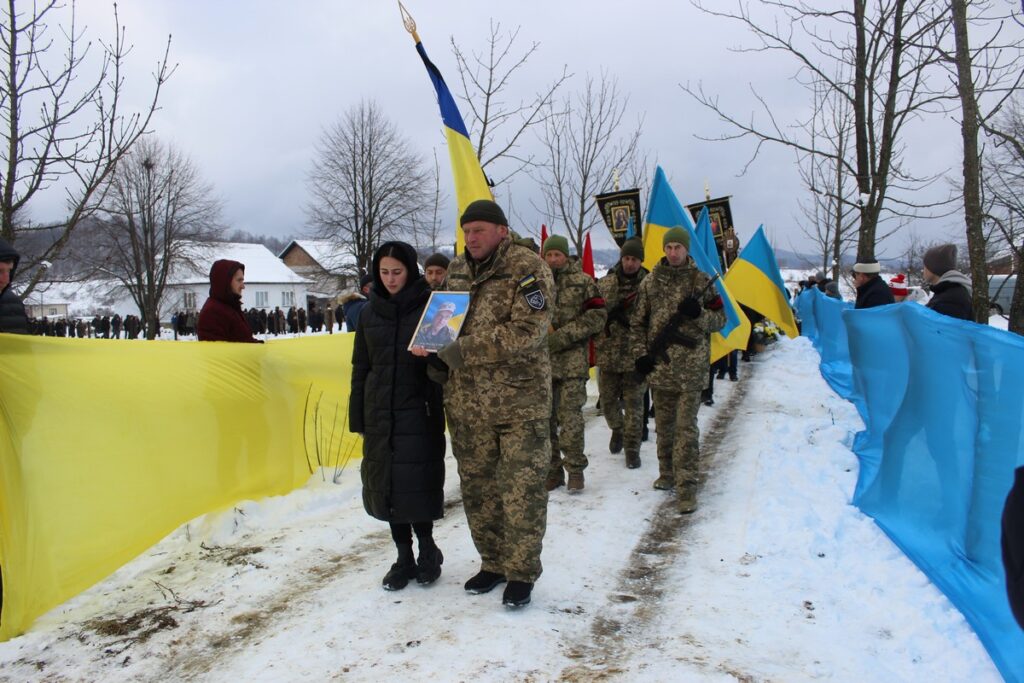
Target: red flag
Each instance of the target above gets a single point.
(543, 236)
(588, 268)
(588, 258)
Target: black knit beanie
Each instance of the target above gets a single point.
(436, 259)
(483, 210)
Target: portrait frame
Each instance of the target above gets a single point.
(431, 339)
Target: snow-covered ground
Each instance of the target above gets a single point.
(775, 577)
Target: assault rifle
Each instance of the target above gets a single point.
(670, 334)
(617, 313)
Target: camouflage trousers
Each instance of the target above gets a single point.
(625, 386)
(567, 399)
(502, 470)
(675, 418)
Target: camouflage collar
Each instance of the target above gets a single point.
(481, 270)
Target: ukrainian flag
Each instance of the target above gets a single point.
(665, 212)
(470, 182)
(706, 238)
(755, 280)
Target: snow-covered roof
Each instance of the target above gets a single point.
(261, 265)
(327, 253)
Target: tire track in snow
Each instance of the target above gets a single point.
(618, 633)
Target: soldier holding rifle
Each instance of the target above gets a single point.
(676, 311)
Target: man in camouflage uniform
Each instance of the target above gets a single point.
(676, 311)
(618, 378)
(578, 315)
(498, 399)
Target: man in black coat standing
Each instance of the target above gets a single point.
(12, 312)
(871, 289)
(951, 289)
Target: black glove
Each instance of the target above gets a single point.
(644, 365)
(690, 307)
(619, 315)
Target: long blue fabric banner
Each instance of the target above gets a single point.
(942, 403)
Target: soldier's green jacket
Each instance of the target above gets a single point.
(579, 314)
(506, 372)
(613, 342)
(657, 300)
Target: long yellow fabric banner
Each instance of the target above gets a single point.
(106, 446)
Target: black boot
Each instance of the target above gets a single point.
(517, 594)
(484, 582)
(398, 576)
(615, 444)
(428, 566)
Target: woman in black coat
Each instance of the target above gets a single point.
(399, 412)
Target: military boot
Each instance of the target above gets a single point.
(615, 445)
(632, 459)
(555, 479)
(687, 499)
(575, 484)
(665, 481)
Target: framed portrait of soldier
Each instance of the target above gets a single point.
(441, 320)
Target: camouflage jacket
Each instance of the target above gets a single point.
(503, 341)
(579, 314)
(613, 342)
(657, 299)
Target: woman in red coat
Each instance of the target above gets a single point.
(221, 318)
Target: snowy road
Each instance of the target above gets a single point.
(775, 577)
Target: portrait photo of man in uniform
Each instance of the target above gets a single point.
(441, 319)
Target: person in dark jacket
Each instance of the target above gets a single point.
(951, 290)
(1013, 545)
(352, 304)
(872, 290)
(221, 318)
(399, 412)
(12, 311)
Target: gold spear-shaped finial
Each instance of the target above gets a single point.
(408, 22)
(707, 191)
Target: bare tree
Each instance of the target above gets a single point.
(427, 230)
(1003, 184)
(499, 125)
(985, 77)
(889, 51)
(367, 183)
(586, 143)
(828, 212)
(157, 208)
(62, 113)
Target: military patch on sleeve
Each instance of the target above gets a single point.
(531, 292)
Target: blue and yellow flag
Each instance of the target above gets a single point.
(665, 212)
(470, 182)
(755, 281)
(706, 238)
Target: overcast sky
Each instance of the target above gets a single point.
(258, 81)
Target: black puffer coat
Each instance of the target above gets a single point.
(397, 409)
(874, 292)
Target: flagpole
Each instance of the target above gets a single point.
(408, 22)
